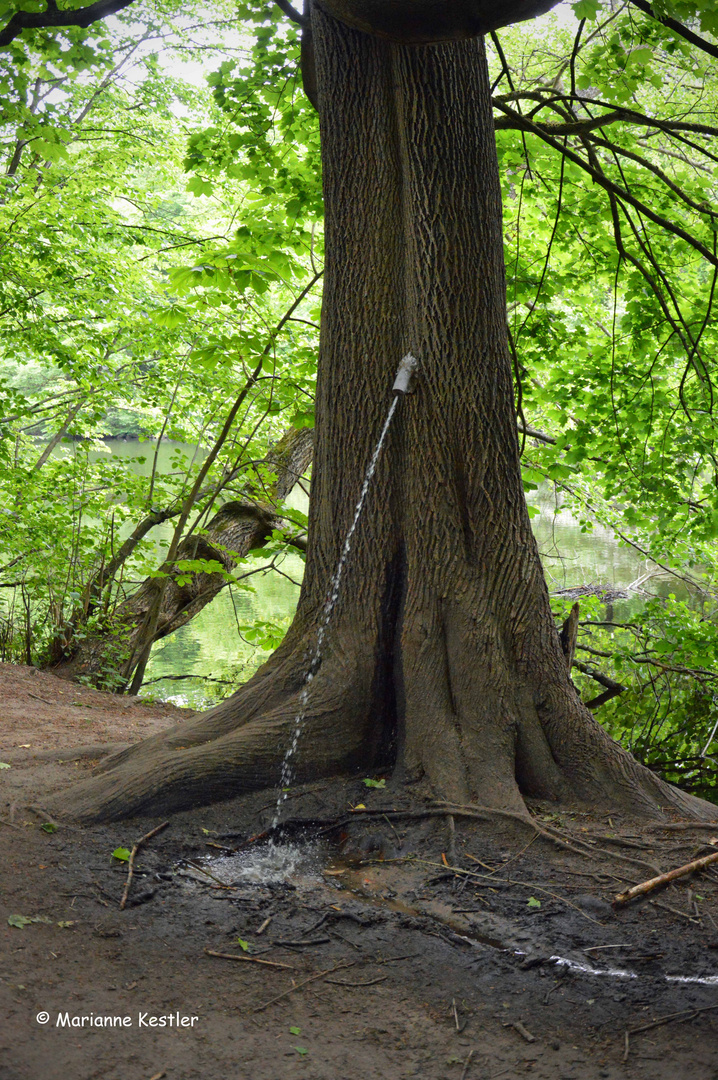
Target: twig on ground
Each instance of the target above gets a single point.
(264, 925)
(298, 986)
(396, 834)
(523, 1031)
(131, 864)
(201, 869)
(249, 959)
(467, 1064)
(346, 940)
(394, 959)
(303, 943)
(316, 925)
(9, 824)
(663, 879)
(679, 1017)
(371, 982)
(626, 1045)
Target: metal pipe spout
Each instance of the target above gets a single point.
(406, 375)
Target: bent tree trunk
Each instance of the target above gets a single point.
(237, 528)
(442, 658)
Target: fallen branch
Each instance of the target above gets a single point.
(248, 959)
(663, 879)
(131, 864)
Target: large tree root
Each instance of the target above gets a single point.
(239, 747)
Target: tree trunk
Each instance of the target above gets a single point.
(442, 658)
(237, 528)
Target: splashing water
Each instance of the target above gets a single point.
(271, 864)
(329, 605)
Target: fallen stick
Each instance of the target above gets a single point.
(467, 1065)
(201, 870)
(298, 986)
(686, 1014)
(371, 982)
(300, 944)
(663, 879)
(248, 959)
(131, 864)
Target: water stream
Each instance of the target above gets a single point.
(329, 605)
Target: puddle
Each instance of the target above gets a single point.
(310, 865)
(271, 864)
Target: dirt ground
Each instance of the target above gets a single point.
(395, 948)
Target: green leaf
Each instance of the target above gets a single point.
(121, 853)
(533, 902)
(20, 921)
(295, 1031)
(374, 783)
(244, 945)
(301, 1050)
(586, 9)
(48, 827)
(4, 765)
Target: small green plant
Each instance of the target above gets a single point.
(244, 945)
(295, 1031)
(374, 783)
(48, 827)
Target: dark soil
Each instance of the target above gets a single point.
(427, 969)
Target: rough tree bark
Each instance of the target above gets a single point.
(442, 659)
(237, 528)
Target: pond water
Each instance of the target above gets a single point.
(204, 661)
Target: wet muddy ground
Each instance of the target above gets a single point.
(379, 960)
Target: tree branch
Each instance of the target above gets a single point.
(523, 123)
(613, 689)
(52, 17)
(292, 13)
(677, 28)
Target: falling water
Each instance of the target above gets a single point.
(329, 605)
